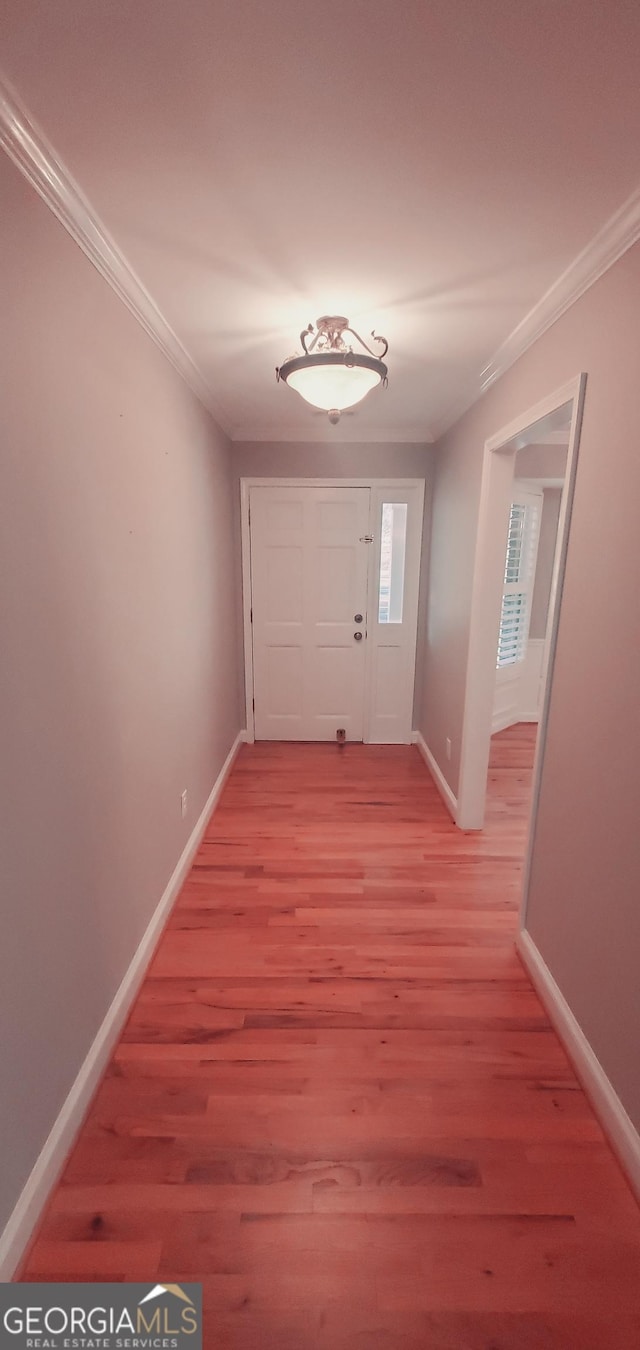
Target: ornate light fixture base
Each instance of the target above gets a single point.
(331, 375)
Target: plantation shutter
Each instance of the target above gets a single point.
(519, 576)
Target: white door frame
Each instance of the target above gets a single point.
(246, 484)
(495, 500)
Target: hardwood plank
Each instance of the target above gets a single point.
(338, 1101)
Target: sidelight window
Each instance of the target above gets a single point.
(393, 543)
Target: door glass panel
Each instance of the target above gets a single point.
(393, 543)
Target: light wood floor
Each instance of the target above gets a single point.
(338, 1102)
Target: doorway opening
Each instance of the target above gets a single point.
(519, 568)
(525, 615)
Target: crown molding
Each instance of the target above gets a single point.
(28, 148)
(620, 232)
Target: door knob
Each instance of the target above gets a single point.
(357, 618)
(358, 637)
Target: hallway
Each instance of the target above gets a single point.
(338, 1103)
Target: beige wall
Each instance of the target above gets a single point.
(340, 459)
(117, 679)
(584, 912)
(544, 562)
(541, 461)
(331, 459)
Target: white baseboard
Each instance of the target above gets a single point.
(512, 720)
(619, 1129)
(35, 1193)
(501, 723)
(517, 697)
(439, 779)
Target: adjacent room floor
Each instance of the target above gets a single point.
(338, 1102)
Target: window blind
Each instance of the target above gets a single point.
(522, 543)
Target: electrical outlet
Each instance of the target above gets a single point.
(448, 747)
(183, 803)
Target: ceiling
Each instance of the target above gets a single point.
(429, 170)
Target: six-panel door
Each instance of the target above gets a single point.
(309, 564)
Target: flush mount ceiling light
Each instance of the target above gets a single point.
(331, 375)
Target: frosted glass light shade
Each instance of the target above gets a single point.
(331, 375)
(333, 386)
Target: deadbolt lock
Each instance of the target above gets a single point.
(357, 618)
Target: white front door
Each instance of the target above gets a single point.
(309, 562)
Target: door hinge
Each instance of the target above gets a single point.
(253, 704)
(250, 616)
